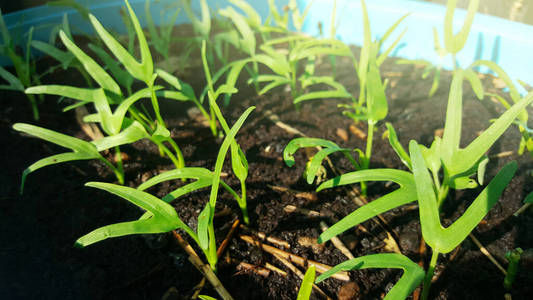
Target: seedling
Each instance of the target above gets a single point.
(453, 43)
(161, 39)
(110, 93)
(24, 66)
(459, 164)
(160, 216)
(513, 257)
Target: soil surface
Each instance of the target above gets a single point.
(41, 225)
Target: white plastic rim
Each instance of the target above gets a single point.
(509, 44)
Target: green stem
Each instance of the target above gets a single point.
(442, 194)
(34, 108)
(429, 275)
(242, 204)
(181, 160)
(118, 174)
(120, 165)
(211, 254)
(155, 104)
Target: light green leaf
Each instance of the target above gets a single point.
(405, 194)
(411, 278)
(307, 284)
(96, 72)
(444, 240)
(131, 134)
(454, 43)
(164, 217)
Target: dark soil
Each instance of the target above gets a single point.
(40, 226)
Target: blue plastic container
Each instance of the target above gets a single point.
(510, 44)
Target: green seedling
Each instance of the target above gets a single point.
(459, 164)
(411, 278)
(25, 74)
(161, 216)
(326, 148)
(513, 257)
(453, 43)
(279, 22)
(444, 240)
(303, 51)
(239, 163)
(418, 186)
(80, 149)
(161, 40)
(110, 93)
(307, 284)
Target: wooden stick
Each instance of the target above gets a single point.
(310, 213)
(487, 254)
(275, 269)
(337, 242)
(321, 268)
(228, 237)
(270, 239)
(203, 268)
(253, 268)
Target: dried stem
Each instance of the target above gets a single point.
(203, 268)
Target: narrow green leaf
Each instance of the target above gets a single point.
(131, 134)
(405, 194)
(307, 284)
(411, 278)
(444, 240)
(13, 81)
(96, 72)
(475, 82)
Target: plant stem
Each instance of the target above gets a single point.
(242, 204)
(429, 275)
(120, 166)
(155, 104)
(212, 249)
(34, 108)
(120, 176)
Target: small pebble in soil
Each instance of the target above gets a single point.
(349, 291)
(350, 241)
(409, 242)
(365, 243)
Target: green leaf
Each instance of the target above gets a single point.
(307, 284)
(131, 134)
(142, 71)
(454, 43)
(397, 147)
(76, 93)
(96, 72)
(465, 158)
(204, 221)
(14, 82)
(411, 278)
(405, 194)
(444, 240)
(81, 150)
(376, 99)
(475, 82)
(65, 58)
(164, 217)
(169, 78)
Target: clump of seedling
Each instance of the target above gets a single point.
(25, 74)
(120, 128)
(371, 105)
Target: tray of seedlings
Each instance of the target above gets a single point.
(238, 157)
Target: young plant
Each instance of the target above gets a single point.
(161, 216)
(25, 74)
(239, 163)
(371, 106)
(110, 93)
(458, 164)
(453, 43)
(161, 40)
